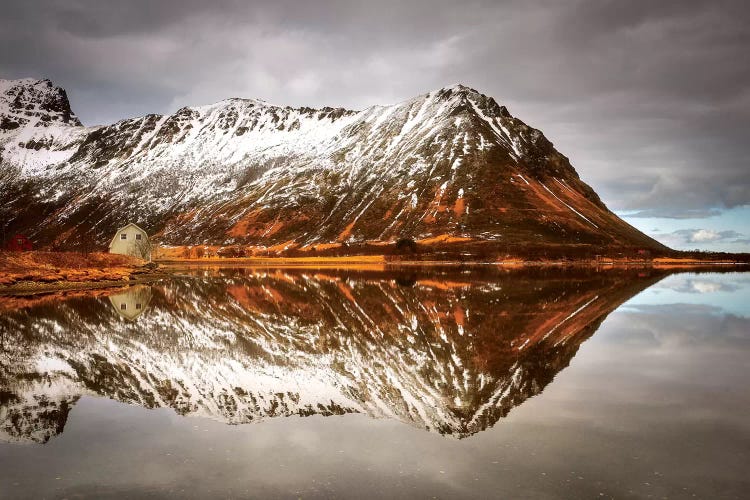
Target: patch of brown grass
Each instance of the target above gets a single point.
(64, 266)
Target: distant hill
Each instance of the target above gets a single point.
(449, 169)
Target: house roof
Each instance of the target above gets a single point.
(114, 238)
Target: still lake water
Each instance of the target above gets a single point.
(237, 383)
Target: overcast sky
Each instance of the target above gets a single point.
(649, 99)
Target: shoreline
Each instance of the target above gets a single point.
(381, 260)
(28, 288)
(23, 288)
(376, 263)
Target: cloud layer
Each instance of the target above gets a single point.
(700, 238)
(650, 100)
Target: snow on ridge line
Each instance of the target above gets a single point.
(271, 124)
(429, 96)
(379, 109)
(224, 136)
(498, 128)
(571, 208)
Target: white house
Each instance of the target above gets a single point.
(131, 240)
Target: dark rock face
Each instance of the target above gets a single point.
(35, 100)
(448, 166)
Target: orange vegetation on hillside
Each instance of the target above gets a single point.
(242, 226)
(378, 243)
(317, 247)
(249, 225)
(435, 207)
(443, 238)
(286, 245)
(460, 207)
(347, 231)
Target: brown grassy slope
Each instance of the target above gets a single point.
(47, 267)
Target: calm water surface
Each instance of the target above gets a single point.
(237, 383)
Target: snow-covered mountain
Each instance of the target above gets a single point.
(450, 354)
(449, 164)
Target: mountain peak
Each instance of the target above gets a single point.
(471, 99)
(32, 102)
(460, 88)
(6, 84)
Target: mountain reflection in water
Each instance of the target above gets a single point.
(450, 352)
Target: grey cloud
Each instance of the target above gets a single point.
(703, 235)
(671, 213)
(683, 237)
(650, 100)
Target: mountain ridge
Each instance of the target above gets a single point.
(451, 163)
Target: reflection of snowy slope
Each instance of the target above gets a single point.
(242, 348)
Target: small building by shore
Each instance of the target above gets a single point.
(131, 240)
(19, 243)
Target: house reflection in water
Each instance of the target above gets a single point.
(132, 302)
